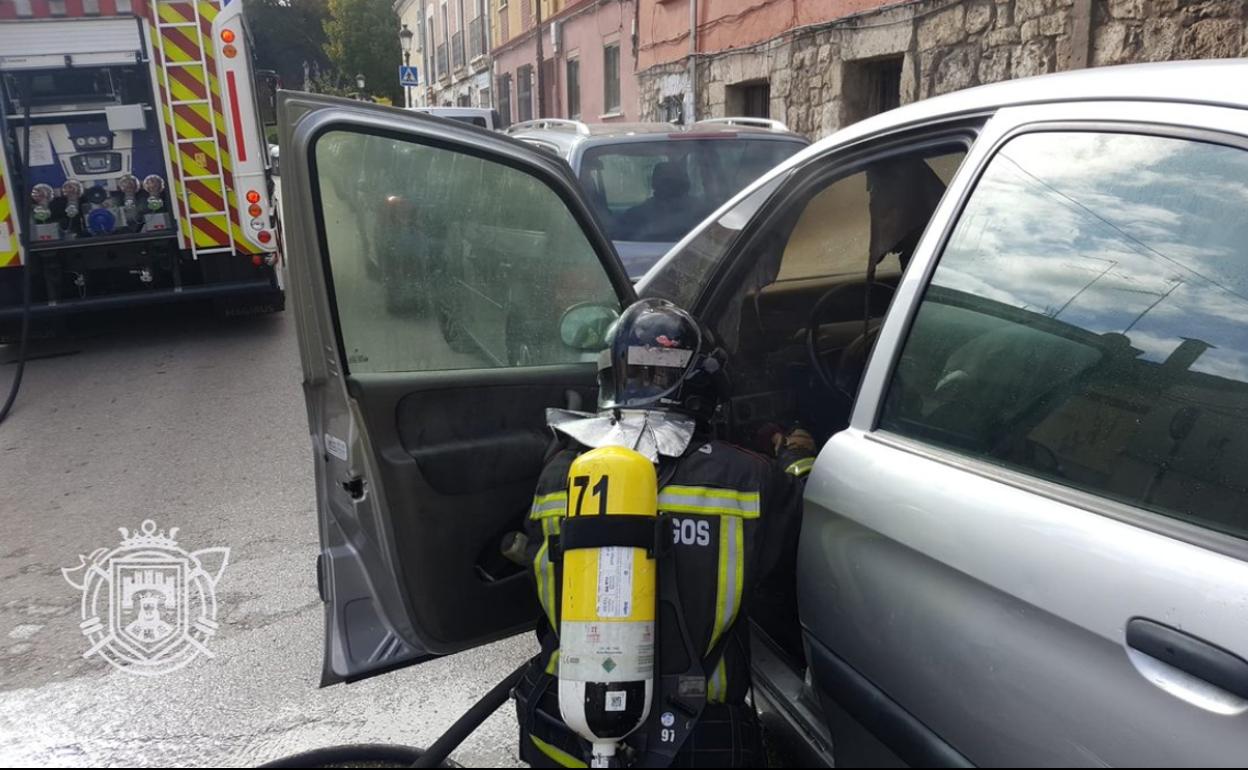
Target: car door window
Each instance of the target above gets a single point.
(827, 240)
(833, 235)
(682, 275)
(1088, 323)
(445, 260)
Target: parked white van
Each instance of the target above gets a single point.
(482, 117)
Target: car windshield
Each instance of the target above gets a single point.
(658, 190)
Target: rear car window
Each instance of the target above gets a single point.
(1088, 324)
(657, 191)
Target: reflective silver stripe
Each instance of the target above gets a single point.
(710, 501)
(730, 582)
(800, 467)
(717, 688)
(736, 564)
(554, 504)
(545, 572)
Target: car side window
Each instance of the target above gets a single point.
(682, 275)
(442, 260)
(833, 235)
(824, 243)
(1088, 324)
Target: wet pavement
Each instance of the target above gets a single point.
(196, 423)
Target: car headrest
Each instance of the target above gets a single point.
(668, 180)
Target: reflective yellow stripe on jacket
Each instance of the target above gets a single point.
(717, 687)
(547, 509)
(800, 467)
(709, 501)
(546, 506)
(556, 754)
(733, 508)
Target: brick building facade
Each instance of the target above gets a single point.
(588, 57)
(819, 66)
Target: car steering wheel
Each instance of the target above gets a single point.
(828, 375)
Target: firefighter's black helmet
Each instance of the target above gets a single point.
(660, 357)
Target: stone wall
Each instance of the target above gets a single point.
(821, 77)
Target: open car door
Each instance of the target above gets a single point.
(449, 285)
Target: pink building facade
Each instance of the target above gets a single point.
(589, 62)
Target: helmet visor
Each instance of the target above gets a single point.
(652, 351)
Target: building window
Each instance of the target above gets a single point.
(672, 108)
(446, 24)
(524, 92)
(749, 100)
(574, 88)
(871, 87)
(504, 97)
(430, 50)
(611, 78)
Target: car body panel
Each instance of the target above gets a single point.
(993, 606)
(481, 117)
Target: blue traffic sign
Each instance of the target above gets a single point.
(408, 76)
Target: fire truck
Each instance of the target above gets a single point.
(133, 163)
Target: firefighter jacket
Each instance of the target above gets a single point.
(732, 513)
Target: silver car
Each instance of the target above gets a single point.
(1017, 317)
(651, 183)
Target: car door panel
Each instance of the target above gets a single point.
(473, 471)
(993, 605)
(996, 616)
(427, 448)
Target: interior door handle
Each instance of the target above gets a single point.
(1191, 655)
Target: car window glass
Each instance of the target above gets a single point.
(826, 242)
(1088, 324)
(656, 191)
(442, 260)
(681, 276)
(833, 235)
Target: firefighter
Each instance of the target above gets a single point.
(726, 515)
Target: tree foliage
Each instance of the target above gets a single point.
(289, 38)
(362, 37)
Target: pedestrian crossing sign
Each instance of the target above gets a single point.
(408, 76)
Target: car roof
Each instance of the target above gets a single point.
(565, 135)
(1213, 82)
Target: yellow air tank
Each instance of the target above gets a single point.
(607, 628)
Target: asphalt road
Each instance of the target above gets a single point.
(196, 423)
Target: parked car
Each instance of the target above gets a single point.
(651, 183)
(1018, 317)
(481, 117)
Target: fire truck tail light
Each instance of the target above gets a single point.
(257, 260)
(265, 236)
(254, 210)
(227, 35)
(230, 51)
(253, 196)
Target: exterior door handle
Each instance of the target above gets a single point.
(1189, 654)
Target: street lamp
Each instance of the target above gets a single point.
(359, 84)
(405, 41)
